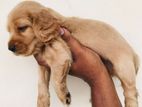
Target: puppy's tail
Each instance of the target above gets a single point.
(136, 63)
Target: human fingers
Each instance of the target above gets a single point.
(75, 46)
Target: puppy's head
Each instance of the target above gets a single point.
(30, 25)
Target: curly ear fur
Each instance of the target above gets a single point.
(45, 26)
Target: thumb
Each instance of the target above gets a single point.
(75, 46)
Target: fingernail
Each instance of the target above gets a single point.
(62, 31)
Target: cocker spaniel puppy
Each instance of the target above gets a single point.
(34, 31)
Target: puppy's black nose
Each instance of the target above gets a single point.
(12, 48)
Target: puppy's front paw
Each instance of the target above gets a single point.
(43, 101)
(65, 99)
(68, 98)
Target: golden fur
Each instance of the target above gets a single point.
(34, 30)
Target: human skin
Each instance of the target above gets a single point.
(88, 66)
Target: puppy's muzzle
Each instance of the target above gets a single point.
(12, 47)
(17, 47)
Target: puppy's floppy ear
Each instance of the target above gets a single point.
(45, 26)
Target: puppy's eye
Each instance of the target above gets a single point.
(22, 28)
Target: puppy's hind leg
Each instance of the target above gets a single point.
(43, 87)
(127, 75)
(59, 76)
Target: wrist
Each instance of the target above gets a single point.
(99, 77)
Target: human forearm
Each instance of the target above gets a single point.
(88, 65)
(103, 92)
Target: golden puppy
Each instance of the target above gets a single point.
(34, 31)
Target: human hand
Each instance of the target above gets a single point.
(86, 63)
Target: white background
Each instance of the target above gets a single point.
(18, 75)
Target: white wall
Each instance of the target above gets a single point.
(18, 75)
